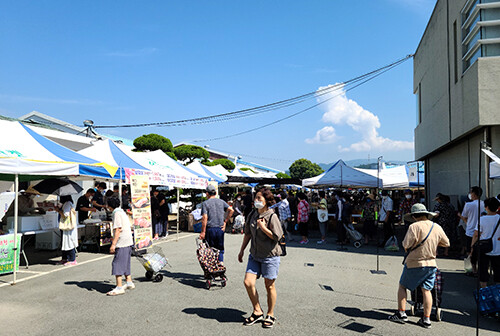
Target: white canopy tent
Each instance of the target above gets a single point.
(219, 170)
(341, 175)
(203, 170)
(26, 155)
(392, 178)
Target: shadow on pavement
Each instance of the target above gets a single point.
(98, 286)
(356, 312)
(222, 315)
(192, 280)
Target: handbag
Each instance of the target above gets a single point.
(68, 223)
(281, 242)
(486, 245)
(322, 215)
(420, 244)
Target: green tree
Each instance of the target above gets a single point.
(227, 164)
(152, 142)
(282, 176)
(303, 168)
(248, 169)
(191, 152)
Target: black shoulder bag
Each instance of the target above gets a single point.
(486, 245)
(420, 244)
(282, 241)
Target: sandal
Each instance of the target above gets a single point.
(254, 318)
(116, 291)
(269, 322)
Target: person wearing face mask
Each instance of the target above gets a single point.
(84, 205)
(263, 231)
(214, 220)
(470, 215)
(405, 206)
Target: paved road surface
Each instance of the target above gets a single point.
(71, 301)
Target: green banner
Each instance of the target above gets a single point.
(7, 253)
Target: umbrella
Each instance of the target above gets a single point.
(61, 187)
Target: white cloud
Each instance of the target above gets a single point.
(341, 110)
(326, 135)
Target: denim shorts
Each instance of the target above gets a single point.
(418, 277)
(267, 267)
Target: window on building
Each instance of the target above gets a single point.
(480, 31)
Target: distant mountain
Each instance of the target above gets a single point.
(359, 162)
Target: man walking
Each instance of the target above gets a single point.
(420, 243)
(387, 216)
(214, 220)
(470, 215)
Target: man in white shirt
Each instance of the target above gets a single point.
(386, 215)
(470, 216)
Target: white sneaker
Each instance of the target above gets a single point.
(129, 286)
(322, 241)
(116, 291)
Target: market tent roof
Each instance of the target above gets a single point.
(312, 180)
(342, 175)
(203, 170)
(165, 171)
(108, 151)
(238, 172)
(31, 156)
(219, 170)
(392, 178)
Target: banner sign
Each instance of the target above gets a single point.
(141, 211)
(166, 179)
(7, 253)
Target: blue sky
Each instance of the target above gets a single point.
(131, 62)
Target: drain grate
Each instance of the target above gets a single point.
(308, 265)
(326, 287)
(355, 326)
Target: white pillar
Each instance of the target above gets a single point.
(178, 209)
(16, 210)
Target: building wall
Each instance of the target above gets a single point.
(458, 109)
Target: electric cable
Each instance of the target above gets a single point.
(263, 108)
(294, 114)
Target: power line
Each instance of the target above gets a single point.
(296, 113)
(263, 108)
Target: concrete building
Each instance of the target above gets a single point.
(457, 86)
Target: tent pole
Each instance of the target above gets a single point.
(178, 208)
(16, 217)
(120, 188)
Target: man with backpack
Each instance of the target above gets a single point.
(420, 243)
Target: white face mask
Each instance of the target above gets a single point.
(470, 196)
(239, 199)
(258, 205)
(408, 196)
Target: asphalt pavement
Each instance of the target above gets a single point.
(321, 291)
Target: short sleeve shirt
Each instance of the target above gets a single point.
(387, 205)
(120, 220)
(471, 212)
(215, 209)
(82, 202)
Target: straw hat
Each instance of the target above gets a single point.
(32, 191)
(418, 209)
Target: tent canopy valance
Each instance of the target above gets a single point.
(165, 171)
(203, 171)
